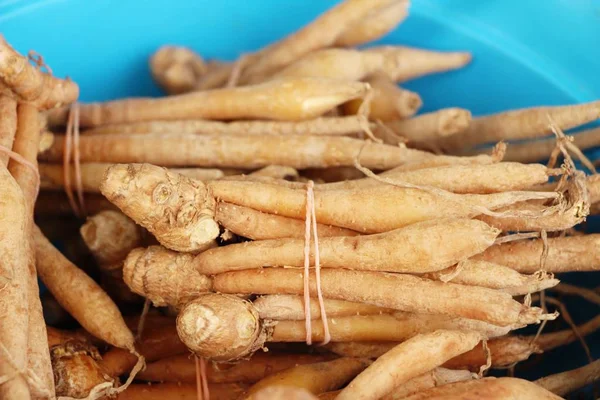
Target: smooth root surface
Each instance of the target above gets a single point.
(402, 292)
(418, 248)
(408, 360)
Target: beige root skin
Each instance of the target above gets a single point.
(331, 126)
(30, 85)
(418, 248)
(316, 378)
(522, 124)
(435, 377)
(408, 360)
(383, 208)
(320, 33)
(566, 382)
(13, 286)
(176, 69)
(8, 125)
(282, 393)
(462, 179)
(538, 150)
(110, 236)
(334, 63)
(26, 145)
(221, 327)
(162, 391)
(374, 26)
(389, 102)
(244, 151)
(486, 388)
(494, 276)
(406, 63)
(163, 276)
(182, 368)
(277, 172)
(401, 292)
(257, 225)
(76, 369)
(282, 307)
(395, 327)
(298, 99)
(52, 175)
(80, 295)
(565, 254)
(177, 210)
(426, 130)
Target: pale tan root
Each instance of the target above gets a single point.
(316, 378)
(334, 63)
(320, 33)
(405, 63)
(389, 102)
(433, 378)
(29, 84)
(386, 327)
(276, 171)
(8, 125)
(333, 126)
(539, 150)
(76, 369)
(14, 309)
(177, 210)
(282, 393)
(383, 208)
(426, 130)
(566, 382)
(360, 349)
(52, 176)
(110, 236)
(402, 292)
(162, 391)
(176, 69)
(221, 327)
(242, 151)
(182, 368)
(494, 276)
(26, 145)
(417, 248)
(282, 307)
(46, 141)
(374, 25)
(565, 254)
(486, 388)
(155, 344)
(257, 225)
(56, 204)
(80, 295)
(298, 99)
(216, 76)
(475, 179)
(163, 276)
(408, 360)
(522, 124)
(571, 210)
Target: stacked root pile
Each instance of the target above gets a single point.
(288, 226)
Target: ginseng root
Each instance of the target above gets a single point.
(177, 210)
(402, 292)
(163, 276)
(418, 248)
(564, 383)
(408, 360)
(221, 327)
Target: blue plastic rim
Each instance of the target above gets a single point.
(526, 53)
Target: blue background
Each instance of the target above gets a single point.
(526, 53)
